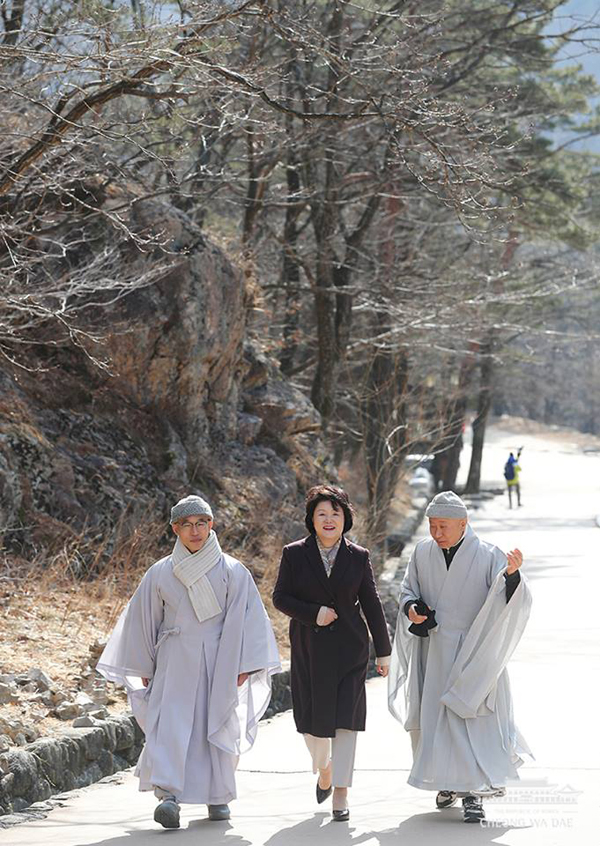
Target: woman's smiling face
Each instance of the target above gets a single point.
(328, 520)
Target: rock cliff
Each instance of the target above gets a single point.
(187, 402)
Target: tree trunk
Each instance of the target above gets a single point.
(325, 378)
(12, 24)
(484, 403)
(290, 271)
(384, 409)
(486, 378)
(384, 428)
(254, 190)
(448, 458)
(452, 465)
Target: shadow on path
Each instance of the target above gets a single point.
(197, 831)
(430, 828)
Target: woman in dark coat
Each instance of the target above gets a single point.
(324, 583)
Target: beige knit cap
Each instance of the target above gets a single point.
(189, 506)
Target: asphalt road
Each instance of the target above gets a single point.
(554, 678)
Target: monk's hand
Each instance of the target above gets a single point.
(515, 560)
(145, 682)
(329, 617)
(242, 678)
(414, 617)
(382, 669)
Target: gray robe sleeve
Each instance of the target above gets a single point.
(130, 652)
(486, 650)
(247, 645)
(410, 590)
(406, 674)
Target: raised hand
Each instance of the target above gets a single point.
(515, 560)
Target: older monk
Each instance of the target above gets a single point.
(195, 649)
(463, 608)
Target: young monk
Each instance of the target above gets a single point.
(196, 651)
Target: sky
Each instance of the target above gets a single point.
(588, 56)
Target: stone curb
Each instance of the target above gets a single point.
(74, 759)
(40, 810)
(281, 693)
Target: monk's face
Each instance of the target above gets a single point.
(446, 531)
(193, 531)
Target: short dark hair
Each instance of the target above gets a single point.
(336, 496)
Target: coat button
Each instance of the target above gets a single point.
(331, 627)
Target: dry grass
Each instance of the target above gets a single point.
(50, 623)
(50, 615)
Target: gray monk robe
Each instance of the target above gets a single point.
(451, 689)
(195, 718)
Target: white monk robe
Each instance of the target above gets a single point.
(195, 718)
(451, 689)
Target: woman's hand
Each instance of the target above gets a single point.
(328, 617)
(145, 682)
(383, 670)
(242, 678)
(414, 617)
(515, 560)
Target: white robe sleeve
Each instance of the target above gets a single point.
(486, 650)
(130, 652)
(247, 645)
(406, 674)
(410, 588)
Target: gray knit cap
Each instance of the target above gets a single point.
(447, 504)
(188, 506)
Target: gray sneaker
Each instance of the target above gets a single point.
(445, 799)
(473, 809)
(218, 812)
(167, 813)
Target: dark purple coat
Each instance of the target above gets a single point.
(329, 663)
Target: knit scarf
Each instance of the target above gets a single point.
(191, 569)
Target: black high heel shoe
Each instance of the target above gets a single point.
(341, 816)
(322, 795)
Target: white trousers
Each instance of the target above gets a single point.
(340, 750)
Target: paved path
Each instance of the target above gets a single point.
(554, 676)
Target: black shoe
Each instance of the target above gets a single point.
(341, 816)
(473, 809)
(218, 812)
(445, 799)
(167, 814)
(322, 795)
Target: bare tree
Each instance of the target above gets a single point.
(367, 164)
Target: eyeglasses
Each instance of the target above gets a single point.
(200, 524)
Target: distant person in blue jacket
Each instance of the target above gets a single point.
(512, 469)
